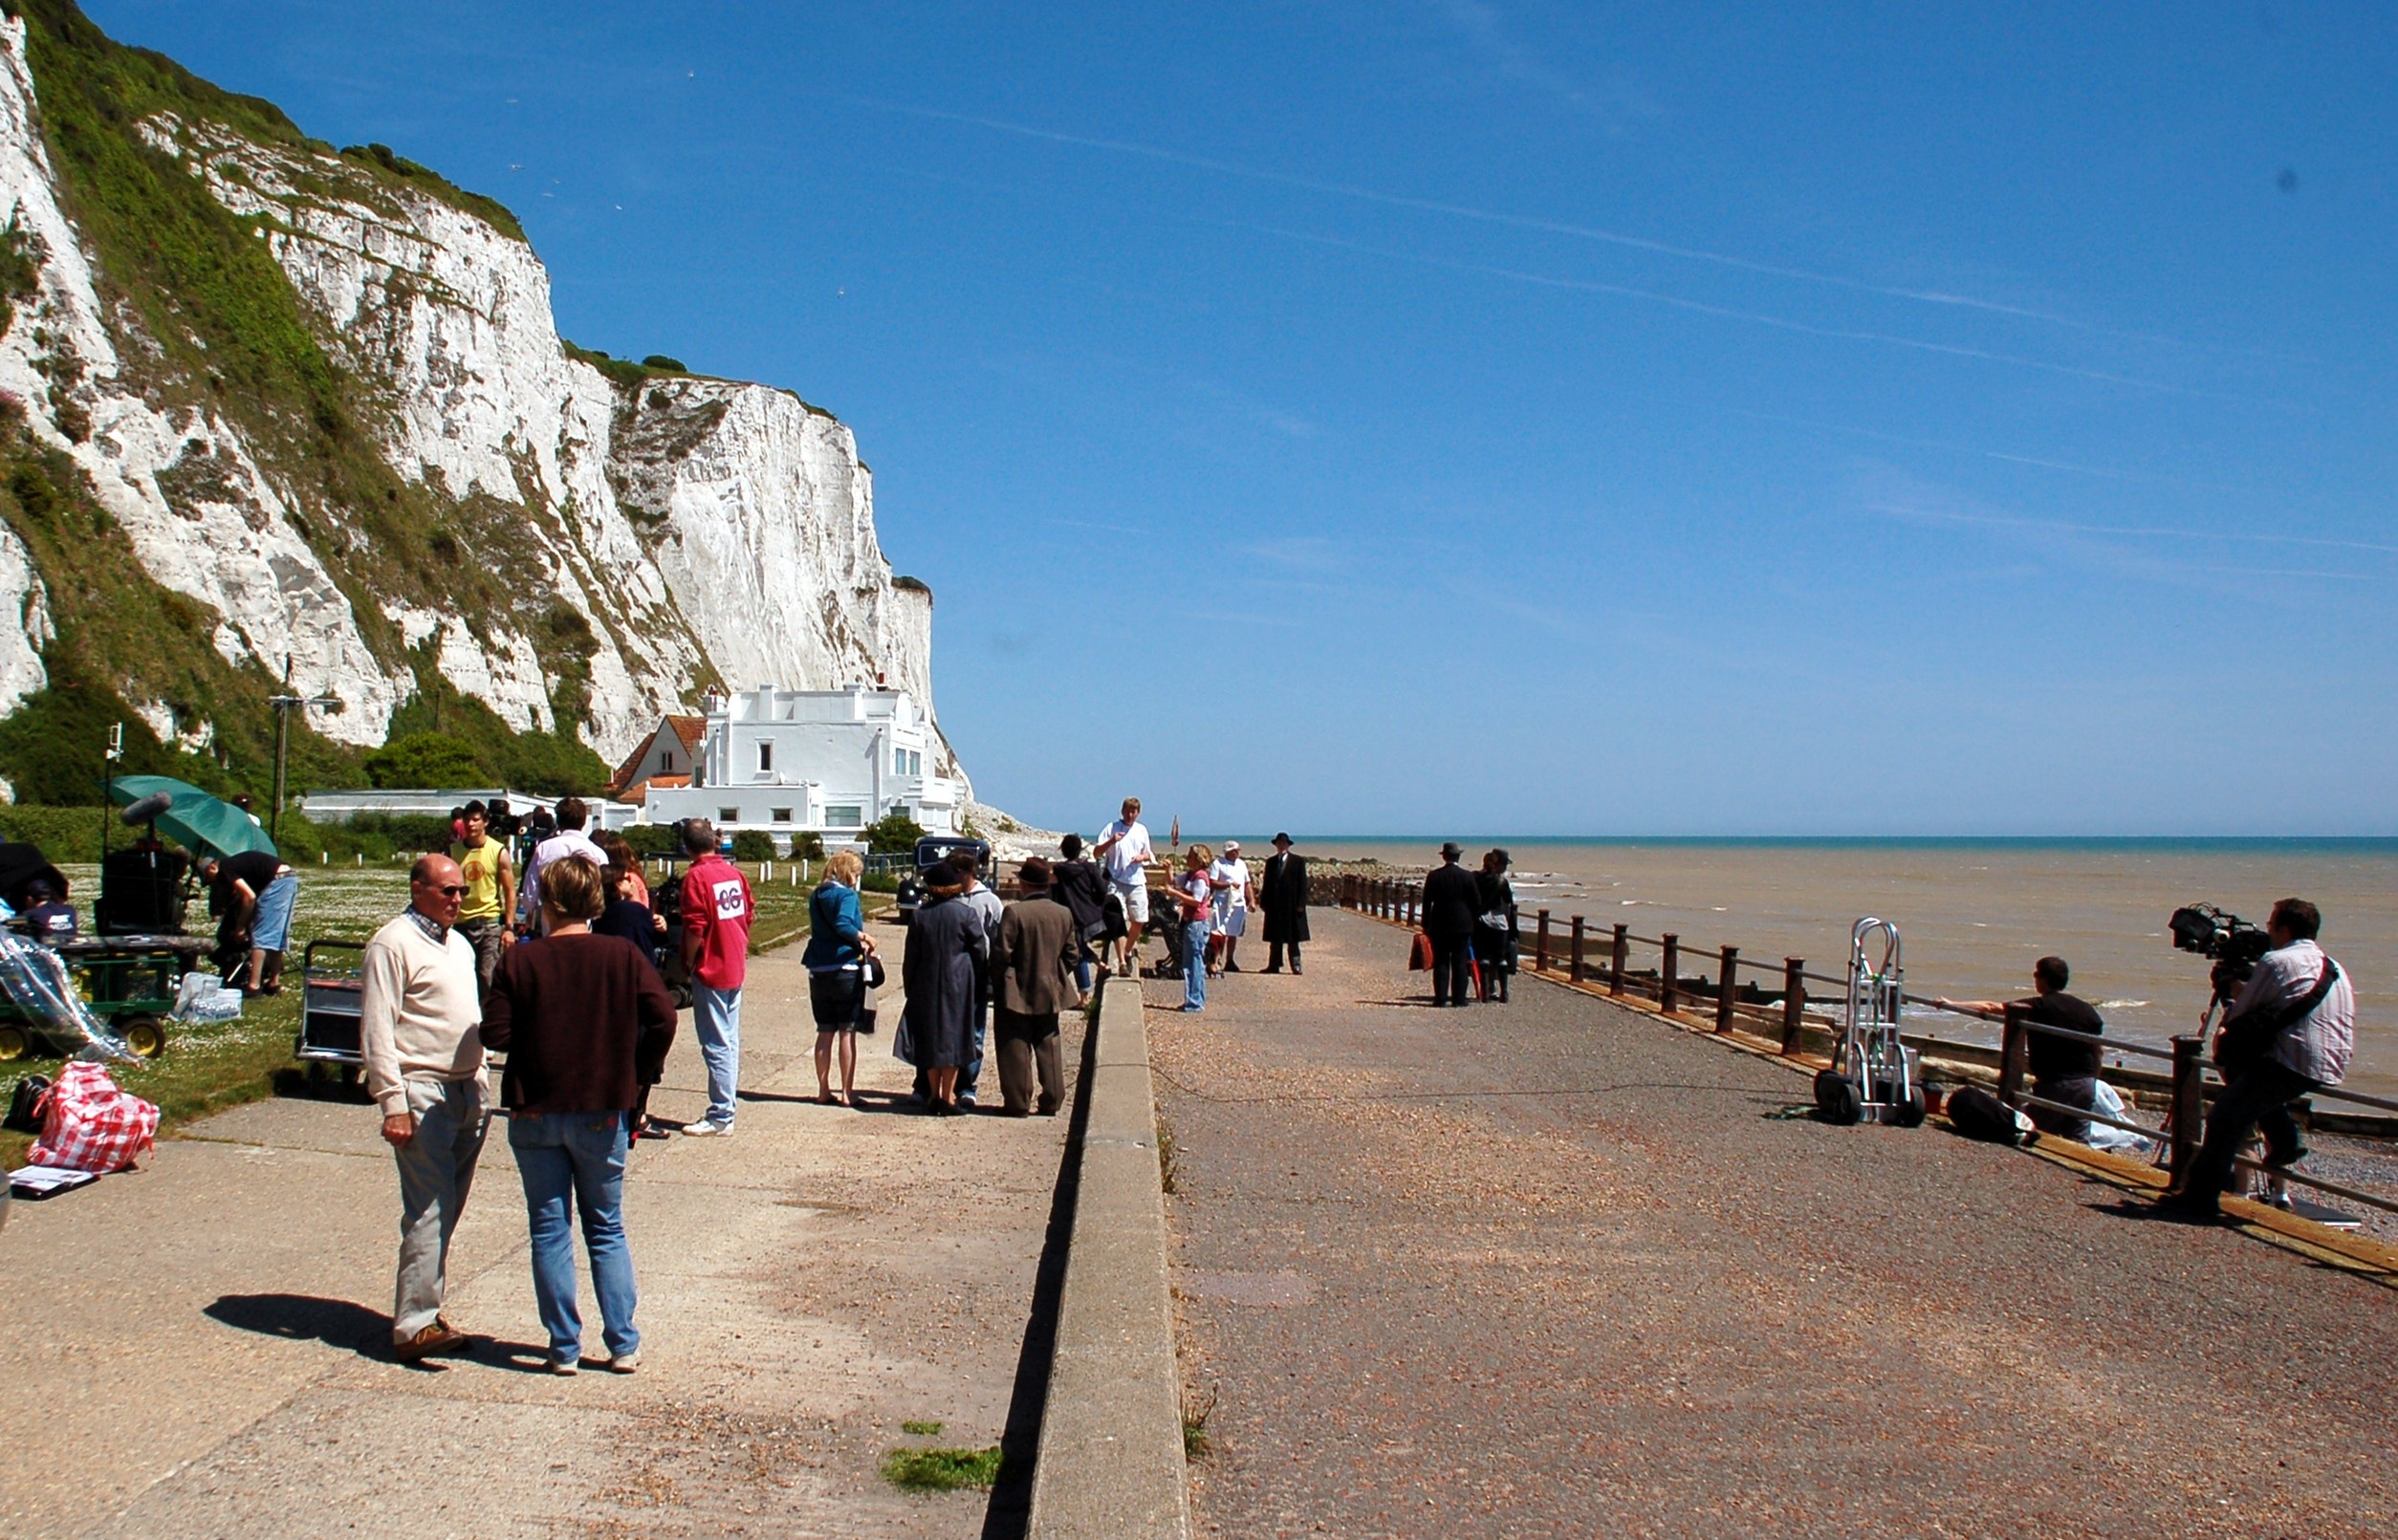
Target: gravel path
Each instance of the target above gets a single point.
(1553, 1268)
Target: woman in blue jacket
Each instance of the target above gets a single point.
(838, 948)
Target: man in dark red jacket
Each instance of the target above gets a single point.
(716, 915)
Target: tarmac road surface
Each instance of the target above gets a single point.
(1557, 1269)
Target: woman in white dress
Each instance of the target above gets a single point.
(1229, 877)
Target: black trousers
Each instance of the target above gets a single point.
(1274, 956)
(1452, 972)
(2258, 1098)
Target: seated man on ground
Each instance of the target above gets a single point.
(2063, 1068)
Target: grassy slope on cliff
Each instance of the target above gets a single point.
(217, 329)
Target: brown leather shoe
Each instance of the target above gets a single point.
(438, 1337)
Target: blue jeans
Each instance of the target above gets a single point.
(580, 1154)
(1194, 966)
(716, 1020)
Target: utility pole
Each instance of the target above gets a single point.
(284, 704)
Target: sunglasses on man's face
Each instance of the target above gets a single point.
(455, 891)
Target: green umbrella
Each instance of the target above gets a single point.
(193, 816)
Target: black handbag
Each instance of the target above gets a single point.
(23, 1114)
(870, 971)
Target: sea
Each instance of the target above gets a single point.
(1973, 915)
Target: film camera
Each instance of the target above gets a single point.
(2234, 943)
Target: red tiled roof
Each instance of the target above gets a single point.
(687, 732)
(638, 792)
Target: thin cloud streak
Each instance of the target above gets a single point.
(1725, 312)
(1528, 222)
(1911, 440)
(2129, 531)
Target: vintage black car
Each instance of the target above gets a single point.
(931, 850)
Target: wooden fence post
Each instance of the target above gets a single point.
(1616, 958)
(2014, 1052)
(1793, 1002)
(1668, 971)
(1573, 968)
(1541, 945)
(1726, 983)
(2186, 1118)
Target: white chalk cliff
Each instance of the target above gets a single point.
(705, 530)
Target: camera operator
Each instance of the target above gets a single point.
(2289, 1033)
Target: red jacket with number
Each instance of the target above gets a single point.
(717, 910)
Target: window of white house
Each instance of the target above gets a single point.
(766, 756)
(780, 815)
(851, 817)
(727, 815)
(899, 761)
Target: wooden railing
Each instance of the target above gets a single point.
(1771, 1003)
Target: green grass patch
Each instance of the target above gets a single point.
(208, 1068)
(1196, 1410)
(941, 1470)
(922, 1430)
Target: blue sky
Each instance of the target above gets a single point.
(1526, 418)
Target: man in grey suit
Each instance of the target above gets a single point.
(1034, 966)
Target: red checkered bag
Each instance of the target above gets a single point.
(88, 1124)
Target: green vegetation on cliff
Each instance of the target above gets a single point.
(209, 325)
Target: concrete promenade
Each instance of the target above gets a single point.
(199, 1349)
(1557, 1269)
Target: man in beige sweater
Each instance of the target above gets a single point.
(420, 1016)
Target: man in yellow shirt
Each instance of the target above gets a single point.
(490, 882)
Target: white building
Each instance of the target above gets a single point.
(829, 761)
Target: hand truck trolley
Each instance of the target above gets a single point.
(1874, 1077)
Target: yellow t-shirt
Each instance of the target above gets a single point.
(481, 863)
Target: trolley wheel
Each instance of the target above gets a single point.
(1909, 1114)
(1837, 1099)
(15, 1042)
(144, 1036)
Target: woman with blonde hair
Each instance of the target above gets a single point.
(836, 960)
(1195, 891)
(586, 1024)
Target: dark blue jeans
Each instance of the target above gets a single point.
(577, 1155)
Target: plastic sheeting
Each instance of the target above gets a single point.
(36, 980)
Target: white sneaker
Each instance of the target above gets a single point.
(705, 1127)
(625, 1363)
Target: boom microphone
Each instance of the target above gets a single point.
(154, 806)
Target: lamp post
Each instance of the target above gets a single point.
(110, 755)
(284, 704)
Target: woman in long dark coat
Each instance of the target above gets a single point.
(1494, 945)
(947, 948)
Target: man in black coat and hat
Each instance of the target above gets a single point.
(1451, 902)
(1283, 893)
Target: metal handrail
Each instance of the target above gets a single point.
(2159, 1135)
(2115, 1043)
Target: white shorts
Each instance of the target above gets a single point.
(1136, 901)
